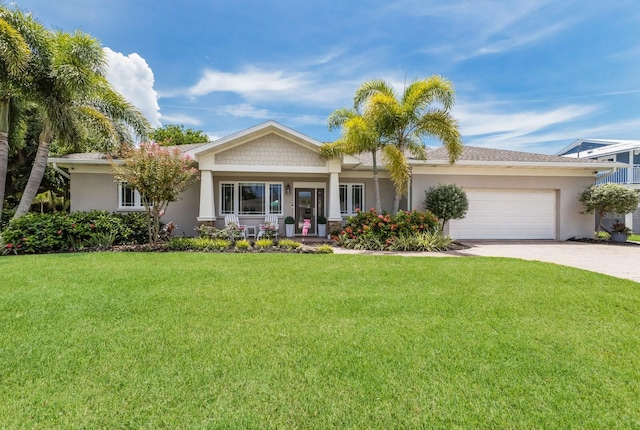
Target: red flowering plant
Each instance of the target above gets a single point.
(373, 230)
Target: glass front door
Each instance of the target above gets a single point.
(305, 209)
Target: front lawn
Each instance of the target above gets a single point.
(191, 340)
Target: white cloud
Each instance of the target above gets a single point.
(503, 127)
(132, 77)
(180, 119)
(251, 82)
(244, 111)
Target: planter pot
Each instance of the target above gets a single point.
(289, 229)
(619, 237)
(322, 230)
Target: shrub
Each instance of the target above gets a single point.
(220, 244)
(136, 227)
(181, 244)
(231, 232)
(289, 244)
(324, 249)
(608, 198)
(373, 231)
(263, 244)
(446, 201)
(36, 233)
(243, 245)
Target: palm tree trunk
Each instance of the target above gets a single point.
(4, 146)
(376, 184)
(396, 202)
(37, 173)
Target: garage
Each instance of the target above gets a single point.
(507, 214)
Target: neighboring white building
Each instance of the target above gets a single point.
(270, 169)
(626, 152)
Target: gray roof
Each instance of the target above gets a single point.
(476, 153)
(472, 154)
(88, 156)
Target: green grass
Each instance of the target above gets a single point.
(191, 340)
(634, 237)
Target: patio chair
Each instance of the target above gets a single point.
(270, 224)
(233, 220)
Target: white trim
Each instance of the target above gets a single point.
(137, 200)
(265, 126)
(322, 185)
(350, 210)
(236, 197)
(255, 168)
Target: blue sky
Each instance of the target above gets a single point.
(530, 75)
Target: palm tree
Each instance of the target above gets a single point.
(75, 100)
(358, 136)
(403, 123)
(16, 30)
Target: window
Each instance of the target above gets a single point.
(251, 198)
(129, 198)
(351, 198)
(228, 193)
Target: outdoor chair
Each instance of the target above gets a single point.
(233, 220)
(270, 225)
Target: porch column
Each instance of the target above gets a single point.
(334, 197)
(207, 206)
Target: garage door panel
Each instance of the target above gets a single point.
(507, 214)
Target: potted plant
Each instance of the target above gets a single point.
(322, 226)
(619, 232)
(289, 225)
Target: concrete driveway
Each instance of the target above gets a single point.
(615, 260)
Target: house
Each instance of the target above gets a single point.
(621, 151)
(273, 169)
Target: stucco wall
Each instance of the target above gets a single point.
(270, 150)
(570, 222)
(99, 191)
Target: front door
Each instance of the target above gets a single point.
(305, 209)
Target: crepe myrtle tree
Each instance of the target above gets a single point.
(159, 174)
(446, 201)
(608, 198)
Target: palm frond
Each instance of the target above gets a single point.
(338, 117)
(369, 88)
(14, 51)
(397, 168)
(441, 125)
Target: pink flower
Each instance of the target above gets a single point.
(9, 246)
(59, 231)
(93, 226)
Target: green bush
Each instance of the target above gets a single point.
(446, 201)
(243, 245)
(137, 227)
(324, 249)
(374, 231)
(36, 233)
(263, 244)
(288, 244)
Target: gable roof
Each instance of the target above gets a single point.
(254, 132)
(612, 147)
(584, 148)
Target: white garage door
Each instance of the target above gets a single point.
(507, 214)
